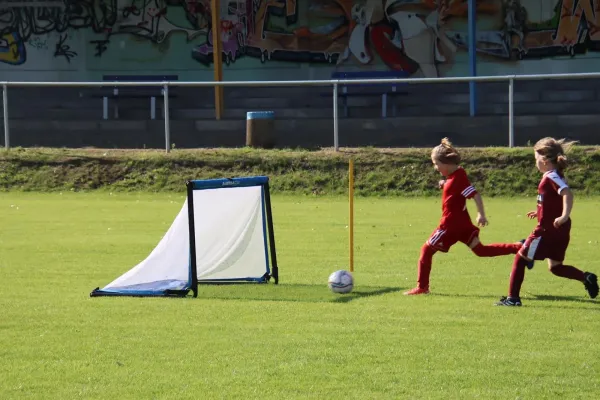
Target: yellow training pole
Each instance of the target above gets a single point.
(215, 7)
(351, 201)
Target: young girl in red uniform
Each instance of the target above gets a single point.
(550, 238)
(455, 225)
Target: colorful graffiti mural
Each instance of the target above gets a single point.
(422, 37)
(22, 21)
(572, 28)
(407, 35)
(271, 30)
(12, 49)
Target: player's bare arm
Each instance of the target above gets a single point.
(481, 219)
(567, 196)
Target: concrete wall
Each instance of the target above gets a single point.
(84, 39)
(306, 133)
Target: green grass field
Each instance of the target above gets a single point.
(294, 340)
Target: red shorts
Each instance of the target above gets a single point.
(443, 237)
(547, 243)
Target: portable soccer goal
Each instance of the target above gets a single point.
(223, 234)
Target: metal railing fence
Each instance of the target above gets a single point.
(334, 83)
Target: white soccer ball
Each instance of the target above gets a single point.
(340, 282)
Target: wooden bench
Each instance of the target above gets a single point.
(133, 92)
(371, 89)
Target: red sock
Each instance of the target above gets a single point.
(496, 249)
(568, 271)
(517, 275)
(425, 259)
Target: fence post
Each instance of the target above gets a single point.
(5, 114)
(336, 139)
(166, 116)
(511, 114)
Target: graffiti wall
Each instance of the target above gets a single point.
(82, 39)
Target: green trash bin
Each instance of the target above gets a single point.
(260, 129)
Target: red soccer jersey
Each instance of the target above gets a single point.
(457, 190)
(549, 200)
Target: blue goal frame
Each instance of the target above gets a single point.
(271, 271)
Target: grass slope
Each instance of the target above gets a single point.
(398, 172)
(296, 340)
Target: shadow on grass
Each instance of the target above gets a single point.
(549, 297)
(289, 292)
(470, 296)
(576, 299)
(563, 300)
(532, 297)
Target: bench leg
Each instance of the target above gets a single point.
(116, 93)
(105, 108)
(345, 102)
(152, 107)
(394, 99)
(384, 105)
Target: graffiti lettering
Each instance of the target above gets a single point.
(38, 43)
(572, 29)
(579, 20)
(29, 21)
(267, 29)
(101, 46)
(287, 8)
(143, 18)
(64, 50)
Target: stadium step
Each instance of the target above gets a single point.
(314, 132)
